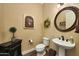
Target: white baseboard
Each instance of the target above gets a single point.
(28, 51)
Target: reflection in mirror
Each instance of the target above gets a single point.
(65, 19)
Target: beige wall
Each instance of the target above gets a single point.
(13, 15)
(1, 24)
(50, 10)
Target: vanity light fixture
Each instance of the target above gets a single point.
(60, 4)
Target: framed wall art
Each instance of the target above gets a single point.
(29, 22)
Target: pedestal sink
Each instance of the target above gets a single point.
(63, 44)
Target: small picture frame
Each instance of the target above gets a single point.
(29, 22)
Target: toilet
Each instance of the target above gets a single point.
(40, 48)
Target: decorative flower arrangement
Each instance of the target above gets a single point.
(46, 23)
(12, 30)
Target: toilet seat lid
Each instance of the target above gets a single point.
(40, 46)
(45, 38)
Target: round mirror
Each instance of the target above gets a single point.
(65, 19)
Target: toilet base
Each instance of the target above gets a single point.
(41, 53)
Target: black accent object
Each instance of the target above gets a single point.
(11, 48)
(13, 30)
(51, 52)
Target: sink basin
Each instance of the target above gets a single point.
(64, 44)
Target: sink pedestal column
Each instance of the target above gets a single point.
(61, 51)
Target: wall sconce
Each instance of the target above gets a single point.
(60, 4)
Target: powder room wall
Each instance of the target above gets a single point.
(50, 11)
(13, 15)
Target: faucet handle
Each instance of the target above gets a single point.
(67, 40)
(59, 38)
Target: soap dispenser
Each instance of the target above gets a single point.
(71, 40)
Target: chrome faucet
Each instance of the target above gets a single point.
(62, 37)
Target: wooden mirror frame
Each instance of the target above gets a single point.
(76, 12)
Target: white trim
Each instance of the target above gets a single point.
(28, 51)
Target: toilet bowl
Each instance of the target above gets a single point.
(40, 48)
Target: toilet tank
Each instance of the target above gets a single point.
(46, 41)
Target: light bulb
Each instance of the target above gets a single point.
(58, 5)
